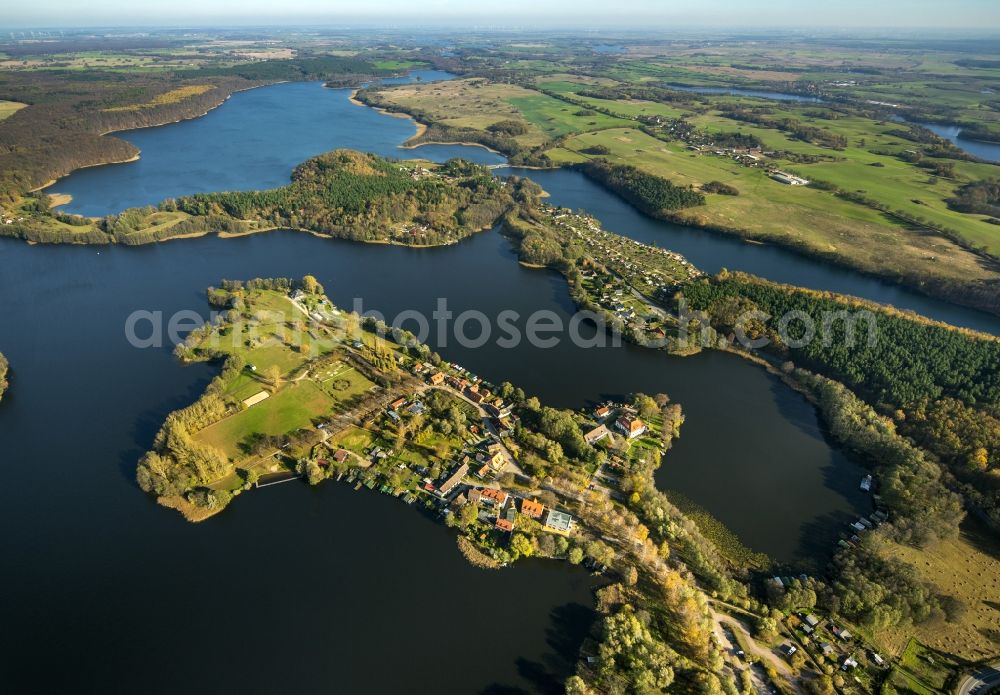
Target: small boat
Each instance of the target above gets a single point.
(866, 483)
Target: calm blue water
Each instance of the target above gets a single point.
(761, 94)
(252, 141)
(953, 133)
(711, 251)
(256, 138)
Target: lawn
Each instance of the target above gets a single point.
(353, 439)
(291, 408)
(927, 665)
(342, 382)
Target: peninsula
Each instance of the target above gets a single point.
(309, 391)
(341, 194)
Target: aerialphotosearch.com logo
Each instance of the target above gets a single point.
(321, 328)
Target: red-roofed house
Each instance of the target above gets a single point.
(532, 509)
(630, 425)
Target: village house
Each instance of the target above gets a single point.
(597, 434)
(492, 496)
(475, 396)
(341, 455)
(841, 633)
(532, 509)
(396, 404)
(630, 425)
(437, 378)
(456, 477)
(601, 413)
(505, 525)
(474, 495)
(560, 522)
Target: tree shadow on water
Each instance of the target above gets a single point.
(569, 626)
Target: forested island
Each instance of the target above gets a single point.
(341, 194)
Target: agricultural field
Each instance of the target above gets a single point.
(9, 108)
(967, 568)
(171, 97)
(474, 103)
(800, 216)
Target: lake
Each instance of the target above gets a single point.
(257, 137)
(328, 583)
(293, 589)
(989, 151)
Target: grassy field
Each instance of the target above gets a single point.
(887, 179)
(171, 97)
(473, 103)
(795, 215)
(342, 382)
(291, 408)
(967, 568)
(470, 103)
(9, 108)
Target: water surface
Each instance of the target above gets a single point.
(292, 589)
(989, 151)
(255, 139)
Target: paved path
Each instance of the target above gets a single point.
(982, 681)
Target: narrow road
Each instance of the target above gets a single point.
(725, 621)
(982, 681)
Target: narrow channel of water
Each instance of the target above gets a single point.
(256, 138)
(989, 151)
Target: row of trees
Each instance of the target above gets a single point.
(888, 356)
(653, 195)
(760, 116)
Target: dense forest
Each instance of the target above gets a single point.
(906, 359)
(653, 195)
(69, 111)
(342, 194)
(364, 197)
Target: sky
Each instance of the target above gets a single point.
(982, 15)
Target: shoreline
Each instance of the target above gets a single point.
(135, 158)
(918, 286)
(421, 127)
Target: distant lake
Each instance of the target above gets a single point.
(760, 94)
(252, 141)
(984, 150)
